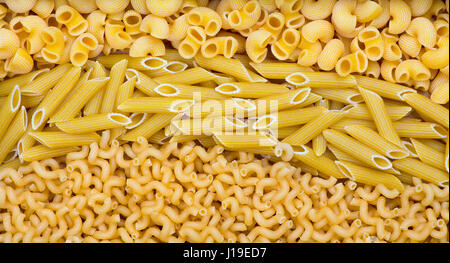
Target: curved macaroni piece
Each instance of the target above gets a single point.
(132, 21)
(420, 7)
(392, 51)
(437, 58)
(317, 9)
(354, 62)
(274, 25)
(331, 53)
(112, 6)
(20, 63)
(226, 46)
(33, 25)
(43, 8)
(387, 69)
(96, 21)
(343, 18)
(156, 26)
(373, 43)
(79, 52)
(9, 43)
(72, 19)
(284, 47)
(424, 30)
(409, 45)
(140, 6)
(147, 45)
(401, 16)
(54, 44)
(411, 69)
(163, 8)
(318, 30)
(209, 19)
(309, 52)
(178, 28)
(115, 35)
(20, 6)
(83, 6)
(246, 17)
(367, 11)
(256, 45)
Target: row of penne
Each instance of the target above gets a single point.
(357, 127)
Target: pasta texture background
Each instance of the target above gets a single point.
(224, 121)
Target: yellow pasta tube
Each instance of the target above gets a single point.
(372, 139)
(6, 86)
(428, 108)
(421, 170)
(322, 163)
(94, 122)
(246, 17)
(440, 89)
(187, 77)
(209, 19)
(15, 131)
(369, 176)
(379, 114)
(356, 149)
(54, 44)
(226, 46)
(115, 35)
(360, 111)
(187, 92)
(54, 98)
(42, 152)
(278, 70)
(155, 105)
(285, 46)
(421, 130)
(320, 80)
(239, 141)
(45, 81)
(163, 8)
(9, 109)
(117, 76)
(83, 44)
(61, 139)
(78, 100)
(288, 118)
(72, 19)
(429, 155)
(344, 95)
(354, 62)
(250, 89)
(149, 127)
(314, 127)
(383, 88)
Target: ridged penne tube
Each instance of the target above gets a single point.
(54, 98)
(428, 108)
(207, 18)
(72, 19)
(429, 155)
(15, 131)
(187, 77)
(41, 152)
(331, 53)
(137, 63)
(94, 122)
(117, 76)
(73, 105)
(250, 89)
(380, 116)
(294, 98)
(420, 130)
(208, 125)
(356, 149)
(6, 86)
(278, 70)
(58, 139)
(9, 109)
(239, 141)
(344, 95)
(187, 92)
(352, 63)
(322, 163)
(143, 83)
(321, 80)
(421, 170)
(372, 139)
(383, 88)
(288, 118)
(45, 81)
(360, 111)
(229, 66)
(342, 156)
(369, 176)
(149, 127)
(314, 127)
(226, 46)
(155, 105)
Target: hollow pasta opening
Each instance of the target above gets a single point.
(381, 162)
(119, 118)
(167, 90)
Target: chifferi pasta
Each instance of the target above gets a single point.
(289, 121)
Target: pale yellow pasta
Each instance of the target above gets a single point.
(132, 21)
(439, 89)
(411, 69)
(287, 43)
(256, 45)
(367, 11)
(72, 19)
(83, 6)
(138, 63)
(437, 58)
(314, 10)
(16, 129)
(149, 127)
(156, 26)
(318, 30)
(392, 51)
(43, 8)
(250, 89)
(321, 163)
(187, 77)
(178, 28)
(369, 176)
(112, 6)
(274, 25)
(143, 83)
(424, 30)
(383, 88)
(186, 92)
(357, 150)
(155, 105)
(147, 45)
(117, 76)
(287, 118)
(9, 109)
(373, 43)
(246, 17)
(73, 105)
(239, 141)
(428, 108)
(379, 114)
(195, 38)
(61, 139)
(442, 28)
(116, 36)
(419, 8)
(321, 80)
(163, 8)
(351, 63)
(9, 43)
(429, 155)
(20, 63)
(401, 16)
(421, 170)
(344, 95)
(20, 6)
(309, 52)
(54, 44)
(424, 130)
(331, 53)
(343, 18)
(409, 45)
(96, 25)
(373, 69)
(226, 46)
(94, 122)
(207, 18)
(360, 111)
(278, 70)
(81, 47)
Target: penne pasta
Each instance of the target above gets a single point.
(143, 82)
(361, 111)
(186, 92)
(137, 63)
(322, 163)
(428, 155)
(7, 85)
(327, 80)
(117, 76)
(428, 108)
(187, 77)
(41, 152)
(346, 96)
(288, 118)
(15, 131)
(94, 122)
(155, 105)
(278, 70)
(241, 141)
(383, 88)
(9, 109)
(250, 89)
(420, 130)
(57, 139)
(149, 127)
(421, 170)
(45, 81)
